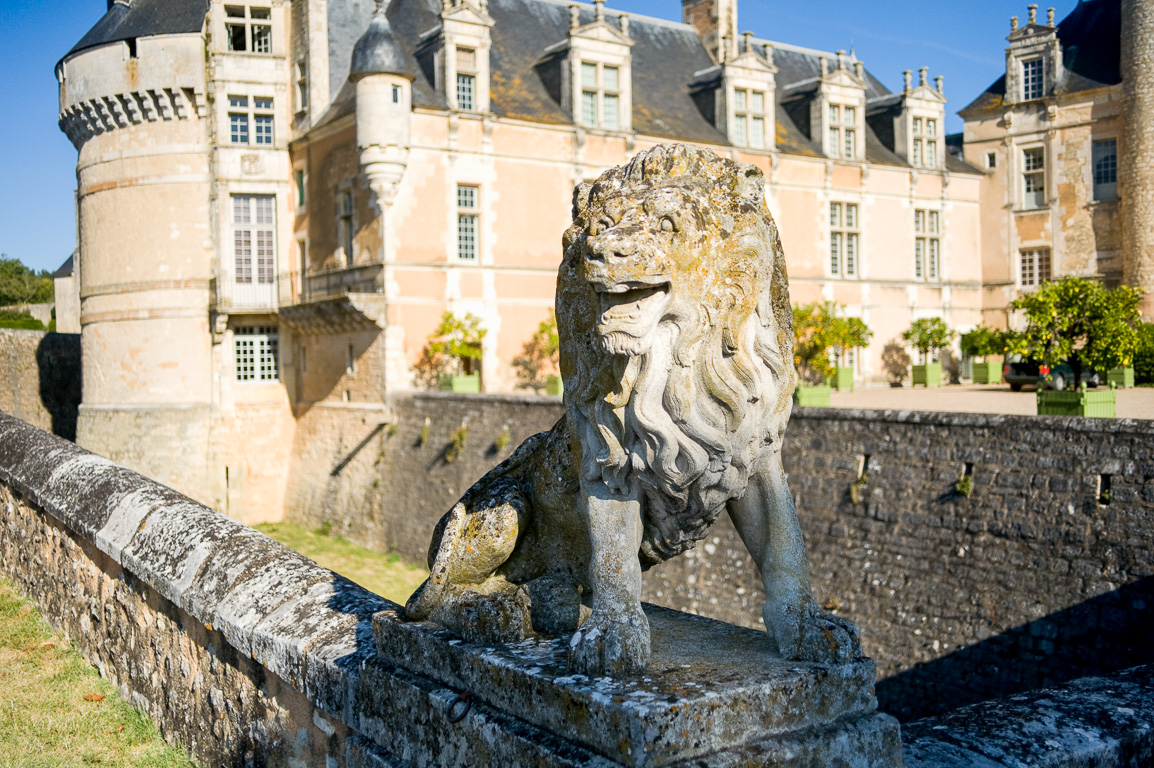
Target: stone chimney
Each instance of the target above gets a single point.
(715, 22)
(1136, 148)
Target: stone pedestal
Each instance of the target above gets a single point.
(713, 696)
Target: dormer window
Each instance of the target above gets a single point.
(842, 131)
(466, 79)
(600, 96)
(248, 29)
(1032, 79)
(925, 148)
(749, 118)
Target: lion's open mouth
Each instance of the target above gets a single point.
(630, 308)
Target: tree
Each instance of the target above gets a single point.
(540, 357)
(1081, 322)
(453, 348)
(21, 285)
(983, 342)
(929, 334)
(850, 333)
(818, 330)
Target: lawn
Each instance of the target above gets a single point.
(385, 575)
(56, 711)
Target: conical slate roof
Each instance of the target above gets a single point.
(378, 52)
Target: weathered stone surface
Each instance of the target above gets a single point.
(676, 342)
(1050, 585)
(711, 688)
(1094, 721)
(218, 694)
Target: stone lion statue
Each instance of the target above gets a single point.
(676, 353)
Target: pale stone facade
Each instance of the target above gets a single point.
(272, 219)
(1069, 186)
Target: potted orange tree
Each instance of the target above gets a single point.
(822, 337)
(1090, 327)
(539, 364)
(451, 358)
(983, 342)
(926, 335)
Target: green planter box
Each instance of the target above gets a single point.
(1094, 403)
(1123, 378)
(928, 375)
(554, 386)
(469, 384)
(987, 373)
(812, 397)
(843, 379)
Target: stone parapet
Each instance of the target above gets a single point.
(247, 653)
(1034, 579)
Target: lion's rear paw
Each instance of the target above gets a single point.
(616, 646)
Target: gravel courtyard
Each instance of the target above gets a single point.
(1135, 403)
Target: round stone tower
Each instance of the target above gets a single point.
(383, 77)
(1136, 156)
(134, 108)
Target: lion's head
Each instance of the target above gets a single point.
(676, 335)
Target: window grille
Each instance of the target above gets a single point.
(842, 132)
(927, 244)
(600, 96)
(256, 353)
(1035, 266)
(466, 79)
(1032, 82)
(467, 220)
(254, 225)
(749, 118)
(844, 240)
(1034, 177)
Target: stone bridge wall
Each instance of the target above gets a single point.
(41, 375)
(1036, 578)
(248, 654)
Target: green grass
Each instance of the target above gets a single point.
(46, 721)
(384, 574)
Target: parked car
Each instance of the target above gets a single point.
(1021, 372)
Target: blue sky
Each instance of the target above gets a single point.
(962, 42)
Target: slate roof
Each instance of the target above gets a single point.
(144, 18)
(1091, 37)
(379, 52)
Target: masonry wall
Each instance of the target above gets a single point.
(41, 375)
(1028, 582)
(248, 654)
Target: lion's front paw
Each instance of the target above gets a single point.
(812, 635)
(611, 645)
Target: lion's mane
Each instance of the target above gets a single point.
(686, 419)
